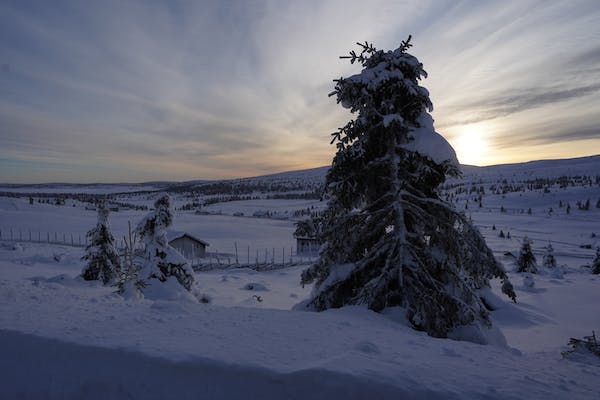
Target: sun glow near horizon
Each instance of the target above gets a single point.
(471, 143)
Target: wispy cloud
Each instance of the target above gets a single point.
(518, 100)
(185, 90)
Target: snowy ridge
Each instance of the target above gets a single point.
(535, 169)
(313, 177)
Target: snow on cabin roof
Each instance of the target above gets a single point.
(172, 235)
(306, 238)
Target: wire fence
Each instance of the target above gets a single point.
(234, 256)
(62, 238)
(259, 259)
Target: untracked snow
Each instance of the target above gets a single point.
(64, 338)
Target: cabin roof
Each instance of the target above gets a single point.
(172, 235)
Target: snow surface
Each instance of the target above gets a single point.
(62, 337)
(66, 338)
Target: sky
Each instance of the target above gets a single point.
(132, 91)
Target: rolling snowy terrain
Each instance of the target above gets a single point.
(62, 337)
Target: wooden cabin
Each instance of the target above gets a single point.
(188, 245)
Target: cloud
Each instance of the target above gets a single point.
(517, 100)
(215, 89)
(553, 135)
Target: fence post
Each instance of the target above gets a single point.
(273, 256)
(30, 235)
(11, 235)
(248, 255)
(283, 256)
(64, 239)
(237, 261)
(48, 236)
(40, 236)
(20, 235)
(55, 237)
(71, 239)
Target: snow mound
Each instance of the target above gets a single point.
(426, 141)
(170, 290)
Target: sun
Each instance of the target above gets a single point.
(471, 145)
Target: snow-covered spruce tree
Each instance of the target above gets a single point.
(102, 258)
(162, 260)
(526, 261)
(389, 240)
(596, 262)
(549, 259)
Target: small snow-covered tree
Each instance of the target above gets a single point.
(549, 259)
(128, 283)
(389, 239)
(162, 260)
(102, 258)
(526, 261)
(596, 262)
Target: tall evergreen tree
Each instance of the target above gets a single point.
(162, 260)
(526, 261)
(389, 239)
(102, 258)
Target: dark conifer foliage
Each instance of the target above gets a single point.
(526, 261)
(596, 262)
(102, 258)
(389, 239)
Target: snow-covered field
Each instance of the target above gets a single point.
(62, 337)
(222, 232)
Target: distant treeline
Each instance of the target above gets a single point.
(59, 199)
(239, 188)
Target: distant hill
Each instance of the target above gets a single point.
(535, 169)
(311, 180)
(520, 171)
